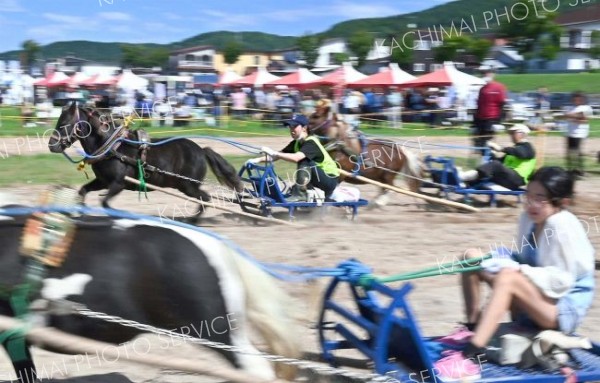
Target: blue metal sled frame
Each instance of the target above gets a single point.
(389, 336)
(447, 180)
(265, 188)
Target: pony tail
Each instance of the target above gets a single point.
(412, 167)
(223, 170)
(268, 309)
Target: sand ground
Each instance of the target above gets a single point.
(406, 235)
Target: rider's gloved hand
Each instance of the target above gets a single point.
(494, 146)
(269, 151)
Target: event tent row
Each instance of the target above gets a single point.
(348, 76)
(126, 80)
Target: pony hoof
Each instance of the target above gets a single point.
(382, 201)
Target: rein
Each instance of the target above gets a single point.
(111, 144)
(45, 241)
(324, 125)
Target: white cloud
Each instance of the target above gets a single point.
(120, 29)
(158, 26)
(291, 15)
(116, 16)
(345, 9)
(10, 6)
(161, 28)
(62, 27)
(65, 19)
(44, 34)
(172, 16)
(361, 10)
(225, 20)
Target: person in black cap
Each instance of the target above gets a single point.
(315, 167)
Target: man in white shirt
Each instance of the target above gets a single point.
(352, 103)
(394, 100)
(238, 101)
(578, 130)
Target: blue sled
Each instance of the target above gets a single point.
(265, 188)
(381, 325)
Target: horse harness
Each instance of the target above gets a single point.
(325, 125)
(45, 243)
(109, 148)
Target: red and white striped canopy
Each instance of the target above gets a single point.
(299, 78)
(55, 79)
(258, 78)
(341, 76)
(387, 77)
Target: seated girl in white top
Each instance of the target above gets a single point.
(548, 283)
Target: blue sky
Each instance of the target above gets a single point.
(165, 21)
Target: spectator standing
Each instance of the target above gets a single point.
(238, 103)
(394, 102)
(490, 104)
(431, 105)
(577, 131)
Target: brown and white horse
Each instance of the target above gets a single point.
(381, 160)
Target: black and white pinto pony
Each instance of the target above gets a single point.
(97, 134)
(166, 276)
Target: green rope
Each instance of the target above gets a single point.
(14, 339)
(19, 300)
(14, 343)
(463, 266)
(142, 186)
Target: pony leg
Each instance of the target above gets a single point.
(193, 191)
(114, 189)
(383, 198)
(93, 185)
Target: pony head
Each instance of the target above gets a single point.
(70, 127)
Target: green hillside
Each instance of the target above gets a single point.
(108, 53)
(558, 82)
(256, 41)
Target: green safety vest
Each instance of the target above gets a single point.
(523, 167)
(328, 165)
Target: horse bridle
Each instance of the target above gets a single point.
(112, 140)
(67, 141)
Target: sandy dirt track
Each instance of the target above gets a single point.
(547, 146)
(405, 236)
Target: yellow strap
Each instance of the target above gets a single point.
(81, 168)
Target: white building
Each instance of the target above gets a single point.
(330, 47)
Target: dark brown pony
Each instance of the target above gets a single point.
(180, 157)
(381, 160)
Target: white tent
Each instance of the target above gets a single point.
(131, 81)
(301, 77)
(228, 77)
(258, 78)
(463, 83)
(392, 75)
(55, 79)
(78, 78)
(344, 75)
